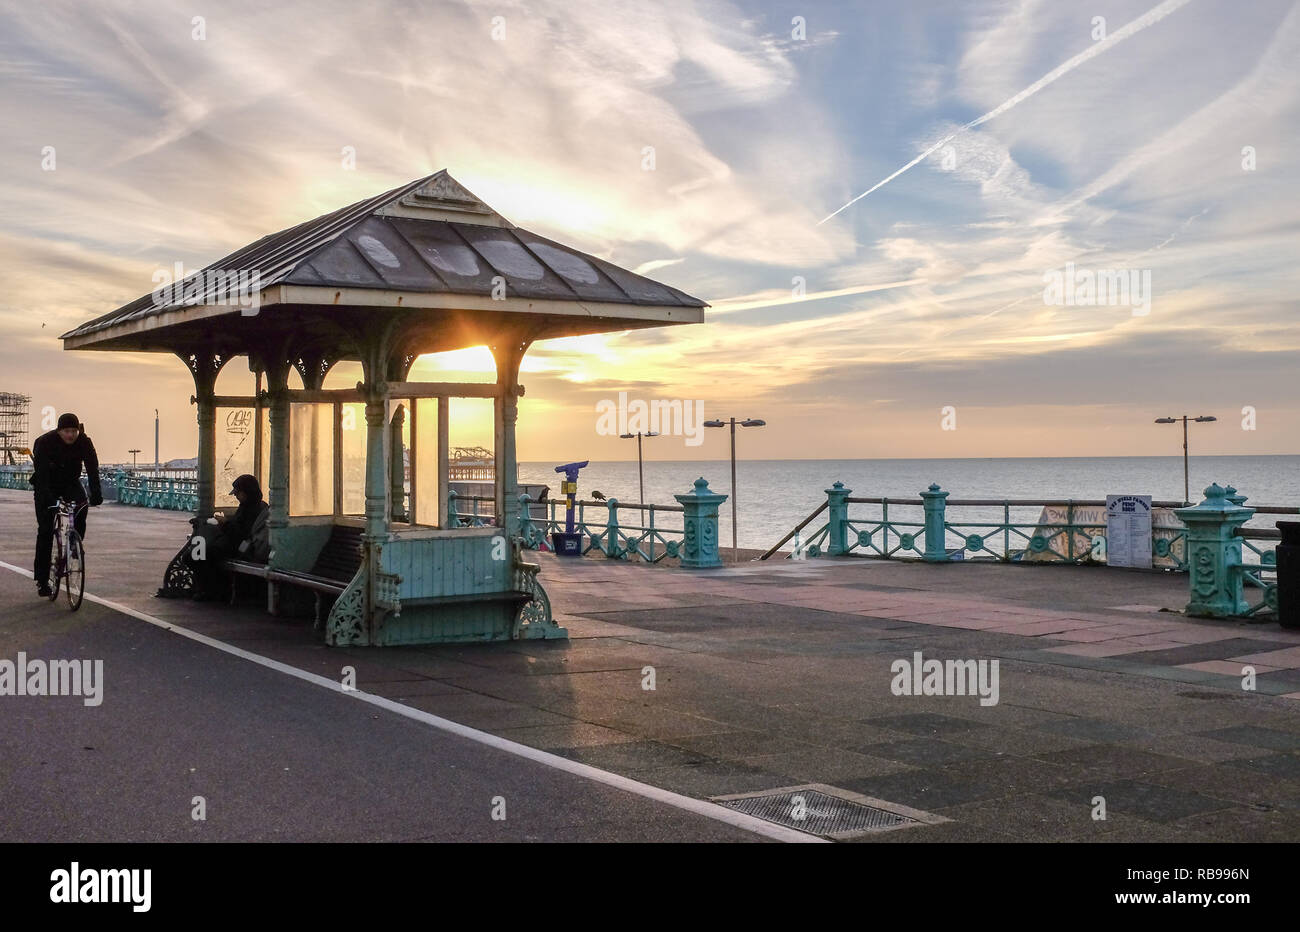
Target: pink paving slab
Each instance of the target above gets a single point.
(1107, 649)
(1288, 658)
(1226, 667)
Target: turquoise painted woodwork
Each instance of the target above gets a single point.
(207, 462)
(445, 586)
(376, 470)
(700, 526)
(837, 511)
(1214, 555)
(934, 500)
(530, 534)
(507, 465)
(277, 485)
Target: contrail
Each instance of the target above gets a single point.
(783, 298)
(1154, 15)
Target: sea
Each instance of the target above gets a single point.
(772, 496)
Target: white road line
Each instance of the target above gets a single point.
(686, 803)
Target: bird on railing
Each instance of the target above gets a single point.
(598, 496)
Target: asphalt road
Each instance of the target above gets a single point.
(273, 757)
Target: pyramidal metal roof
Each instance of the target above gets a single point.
(429, 236)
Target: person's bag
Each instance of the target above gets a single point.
(259, 538)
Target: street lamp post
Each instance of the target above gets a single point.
(1184, 418)
(640, 469)
(748, 422)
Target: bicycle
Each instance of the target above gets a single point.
(67, 554)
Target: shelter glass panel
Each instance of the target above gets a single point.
(234, 451)
(399, 458)
(311, 459)
(353, 417)
(472, 468)
(428, 498)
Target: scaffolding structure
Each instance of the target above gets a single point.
(14, 438)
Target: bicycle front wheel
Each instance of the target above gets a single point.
(56, 567)
(76, 574)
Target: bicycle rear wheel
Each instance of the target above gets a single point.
(76, 570)
(56, 567)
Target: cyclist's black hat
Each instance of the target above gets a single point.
(68, 420)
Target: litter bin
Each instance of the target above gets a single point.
(1288, 575)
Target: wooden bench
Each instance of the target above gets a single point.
(335, 566)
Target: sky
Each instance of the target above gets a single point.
(722, 148)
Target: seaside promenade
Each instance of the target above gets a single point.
(765, 675)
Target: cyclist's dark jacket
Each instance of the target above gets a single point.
(57, 465)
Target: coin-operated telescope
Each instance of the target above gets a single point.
(568, 544)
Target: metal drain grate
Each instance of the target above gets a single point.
(826, 811)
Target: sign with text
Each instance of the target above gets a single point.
(1128, 530)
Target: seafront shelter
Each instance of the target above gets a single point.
(357, 478)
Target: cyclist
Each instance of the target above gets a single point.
(58, 457)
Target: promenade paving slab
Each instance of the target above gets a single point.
(777, 674)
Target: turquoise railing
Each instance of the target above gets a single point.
(477, 516)
(647, 537)
(146, 491)
(150, 492)
(1258, 578)
(1239, 573)
(1006, 530)
(657, 533)
(15, 477)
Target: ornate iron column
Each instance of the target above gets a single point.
(277, 383)
(376, 472)
(204, 366)
(934, 500)
(837, 516)
(700, 514)
(508, 354)
(1214, 555)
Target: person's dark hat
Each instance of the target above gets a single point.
(68, 420)
(247, 484)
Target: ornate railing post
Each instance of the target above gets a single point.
(934, 501)
(837, 510)
(119, 483)
(1214, 555)
(453, 517)
(612, 549)
(529, 533)
(700, 523)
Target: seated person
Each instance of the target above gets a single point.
(242, 537)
